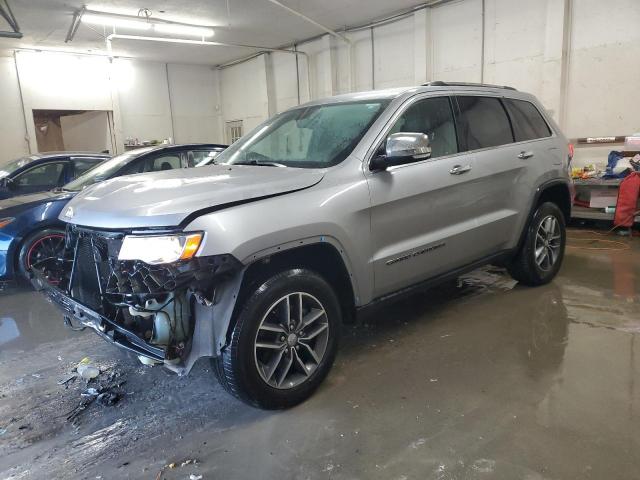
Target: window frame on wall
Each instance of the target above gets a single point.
(234, 130)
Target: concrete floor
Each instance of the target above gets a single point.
(479, 381)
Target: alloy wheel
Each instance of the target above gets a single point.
(291, 340)
(548, 242)
(43, 255)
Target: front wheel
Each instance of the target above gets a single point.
(542, 251)
(284, 341)
(41, 250)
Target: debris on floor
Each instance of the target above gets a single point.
(184, 463)
(488, 278)
(103, 388)
(86, 370)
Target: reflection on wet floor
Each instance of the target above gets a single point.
(480, 380)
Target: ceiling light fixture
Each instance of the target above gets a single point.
(113, 21)
(175, 29)
(146, 23)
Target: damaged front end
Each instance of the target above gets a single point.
(162, 312)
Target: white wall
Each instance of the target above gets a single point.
(194, 103)
(148, 100)
(143, 94)
(582, 62)
(244, 93)
(12, 129)
(579, 57)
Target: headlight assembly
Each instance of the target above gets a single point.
(159, 249)
(6, 221)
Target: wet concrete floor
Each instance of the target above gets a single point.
(483, 380)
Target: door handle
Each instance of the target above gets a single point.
(459, 169)
(525, 155)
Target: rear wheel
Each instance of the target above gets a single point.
(284, 341)
(41, 250)
(542, 251)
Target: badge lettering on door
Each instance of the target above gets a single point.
(415, 254)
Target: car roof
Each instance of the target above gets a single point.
(392, 93)
(45, 155)
(183, 146)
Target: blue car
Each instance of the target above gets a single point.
(32, 235)
(44, 171)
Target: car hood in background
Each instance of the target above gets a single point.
(21, 202)
(165, 199)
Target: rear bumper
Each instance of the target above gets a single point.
(104, 327)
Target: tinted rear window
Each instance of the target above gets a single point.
(527, 121)
(482, 122)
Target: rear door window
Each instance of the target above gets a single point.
(482, 122)
(82, 165)
(528, 123)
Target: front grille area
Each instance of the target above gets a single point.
(93, 254)
(85, 287)
(97, 279)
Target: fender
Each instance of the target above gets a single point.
(314, 240)
(536, 197)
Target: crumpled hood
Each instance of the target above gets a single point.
(165, 199)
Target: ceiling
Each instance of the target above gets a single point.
(44, 24)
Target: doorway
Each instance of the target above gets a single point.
(74, 130)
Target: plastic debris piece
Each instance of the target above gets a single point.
(108, 399)
(68, 379)
(88, 371)
(90, 392)
(195, 477)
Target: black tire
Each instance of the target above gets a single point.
(524, 267)
(52, 237)
(237, 369)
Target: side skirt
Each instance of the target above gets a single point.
(365, 310)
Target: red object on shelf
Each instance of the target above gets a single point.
(627, 200)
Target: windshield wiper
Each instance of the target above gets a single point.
(259, 164)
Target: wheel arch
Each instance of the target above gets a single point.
(322, 255)
(555, 191)
(20, 241)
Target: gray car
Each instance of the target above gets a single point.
(324, 210)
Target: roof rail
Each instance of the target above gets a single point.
(439, 83)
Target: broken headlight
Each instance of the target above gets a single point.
(158, 249)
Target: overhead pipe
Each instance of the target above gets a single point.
(376, 23)
(311, 21)
(262, 50)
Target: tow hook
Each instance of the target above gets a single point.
(69, 324)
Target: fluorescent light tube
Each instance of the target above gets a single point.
(175, 29)
(110, 21)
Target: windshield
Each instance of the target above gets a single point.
(311, 137)
(104, 170)
(13, 165)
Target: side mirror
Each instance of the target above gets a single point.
(402, 148)
(8, 183)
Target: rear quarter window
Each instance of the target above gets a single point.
(482, 122)
(527, 121)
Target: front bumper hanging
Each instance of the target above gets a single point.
(106, 328)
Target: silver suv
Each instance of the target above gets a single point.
(322, 211)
